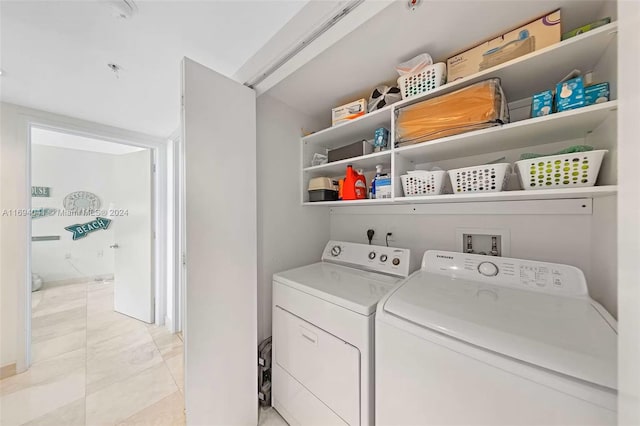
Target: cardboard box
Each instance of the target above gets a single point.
(542, 104)
(596, 93)
(348, 111)
(536, 35)
(570, 94)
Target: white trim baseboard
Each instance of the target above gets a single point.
(77, 280)
(8, 371)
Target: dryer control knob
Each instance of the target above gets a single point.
(383, 258)
(488, 269)
(336, 250)
(395, 261)
(372, 255)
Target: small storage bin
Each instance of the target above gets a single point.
(560, 171)
(486, 178)
(323, 189)
(352, 150)
(422, 182)
(423, 81)
(322, 195)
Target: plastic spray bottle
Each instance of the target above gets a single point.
(373, 181)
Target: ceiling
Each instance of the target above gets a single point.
(367, 57)
(70, 141)
(54, 54)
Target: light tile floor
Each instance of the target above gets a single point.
(93, 366)
(270, 417)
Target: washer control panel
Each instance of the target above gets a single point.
(544, 277)
(387, 260)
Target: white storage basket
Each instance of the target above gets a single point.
(421, 182)
(423, 81)
(560, 171)
(486, 178)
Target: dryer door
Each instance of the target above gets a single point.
(325, 365)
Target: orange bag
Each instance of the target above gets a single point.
(478, 106)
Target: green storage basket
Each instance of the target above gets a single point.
(560, 171)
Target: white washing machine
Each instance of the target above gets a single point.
(323, 331)
(481, 340)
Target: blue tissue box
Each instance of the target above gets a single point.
(570, 94)
(596, 93)
(542, 104)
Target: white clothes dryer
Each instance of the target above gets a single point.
(323, 330)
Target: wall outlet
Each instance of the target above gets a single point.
(390, 238)
(484, 241)
(67, 256)
(376, 235)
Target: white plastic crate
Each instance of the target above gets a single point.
(560, 171)
(485, 178)
(422, 182)
(423, 81)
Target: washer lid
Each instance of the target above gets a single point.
(564, 334)
(353, 289)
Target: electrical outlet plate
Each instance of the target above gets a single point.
(481, 240)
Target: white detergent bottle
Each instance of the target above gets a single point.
(373, 181)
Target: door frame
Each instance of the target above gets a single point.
(176, 268)
(160, 257)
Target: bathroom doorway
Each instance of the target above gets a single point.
(94, 325)
(92, 217)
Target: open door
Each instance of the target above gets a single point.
(133, 236)
(219, 134)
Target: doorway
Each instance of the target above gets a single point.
(94, 328)
(92, 216)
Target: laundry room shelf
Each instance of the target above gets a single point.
(351, 131)
(366, 162)
(539, 70)
(520, 79)
(541, 194)
(557, 127)
(350, 202)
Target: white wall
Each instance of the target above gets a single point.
(15, 194)
(551, 238)
(289, 235)
(65, 171)
(629, 214)
(602, 275)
